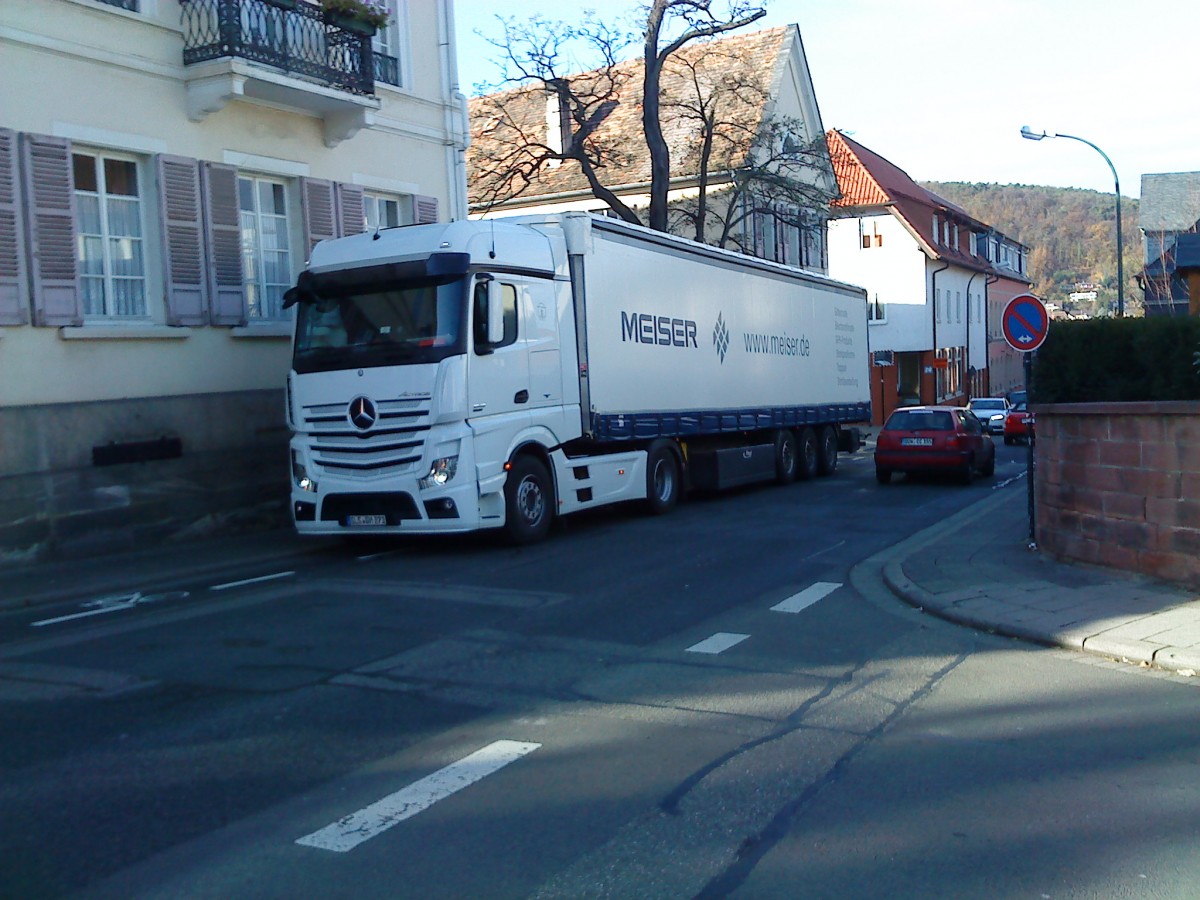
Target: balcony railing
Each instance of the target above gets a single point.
(294, 37)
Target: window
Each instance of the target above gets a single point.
(958, 305)
(508, 293)
(131, 5)
(109, 239)
(870, 237)
(876, 310)
(387, 45)
(936, 229)
(380, 212)
(937, 304)
(266, 257)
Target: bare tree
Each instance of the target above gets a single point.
(692, 19)
(515, 148)
(746, 161)
(519, 147)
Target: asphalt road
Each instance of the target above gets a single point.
(721, 702)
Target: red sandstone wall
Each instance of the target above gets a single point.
(1118, 484)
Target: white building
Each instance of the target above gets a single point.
(933, 275)
(164, 169)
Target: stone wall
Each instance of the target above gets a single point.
(1118, 484)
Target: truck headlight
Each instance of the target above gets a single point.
(440, 472)
(300, 474)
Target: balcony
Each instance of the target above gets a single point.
(282, 53)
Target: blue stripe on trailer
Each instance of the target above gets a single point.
(649, 425)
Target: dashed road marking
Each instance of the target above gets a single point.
(718, 643)
(348, 832)
(245, 581)
(806, 597)
(104, 605)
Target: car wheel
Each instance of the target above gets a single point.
(1008, 440)
(528, 501)
(989, 467)
(662, 480)
(809, 455)
(827, 450)
(967, 475)
(883, 476)
(786, 462)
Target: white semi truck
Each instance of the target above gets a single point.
(498, 373)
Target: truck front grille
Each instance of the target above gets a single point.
(395, 443)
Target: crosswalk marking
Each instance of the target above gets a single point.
(806, 597)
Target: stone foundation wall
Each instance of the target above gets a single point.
(1118, 484)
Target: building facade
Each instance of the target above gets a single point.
(1169, 208)
(165, 167)
(933, 314)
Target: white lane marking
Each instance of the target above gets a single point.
(822, 552)
(245, 581)
(806, 597)
(104, 605)
(718, 643)
(348, 832)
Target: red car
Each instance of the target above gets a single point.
(934, 439)
(1018, 425)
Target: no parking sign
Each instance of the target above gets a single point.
(1025, 322)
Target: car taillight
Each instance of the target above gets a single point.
(952, 442)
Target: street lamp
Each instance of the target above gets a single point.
(1030, 134)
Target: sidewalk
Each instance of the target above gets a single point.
(976, 569)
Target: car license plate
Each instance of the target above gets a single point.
(916, 442)
(353, 521)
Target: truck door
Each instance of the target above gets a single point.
(540, 331)
(498, 383)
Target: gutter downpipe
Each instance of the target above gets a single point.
(933, 319)
(455, 118)
(974, 275)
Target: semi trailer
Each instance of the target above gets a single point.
(497, 373)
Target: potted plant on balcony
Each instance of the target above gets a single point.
(359, 16)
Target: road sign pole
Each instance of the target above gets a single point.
(1029, 448)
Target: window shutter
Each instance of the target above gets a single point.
(12, 257)
(50, 225)
(350, 209)
(317, 205)
(226, 295)
(426, 209)
(183, 239)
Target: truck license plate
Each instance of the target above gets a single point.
(352, 521)
(916, 442)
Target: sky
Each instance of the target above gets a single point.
(941, 88)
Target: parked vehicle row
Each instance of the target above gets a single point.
(1018, 425)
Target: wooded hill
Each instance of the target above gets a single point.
(1071, 235)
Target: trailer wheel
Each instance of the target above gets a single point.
(809, 457)
(662, 480)
(528, 501)
(786, 461)
(827, 454)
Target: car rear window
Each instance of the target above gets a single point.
(920, 420)
(987, 404)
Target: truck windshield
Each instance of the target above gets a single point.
(402, 322)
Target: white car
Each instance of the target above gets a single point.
(991, 412)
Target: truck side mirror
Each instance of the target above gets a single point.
(495, 313)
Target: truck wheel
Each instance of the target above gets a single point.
(809, 458)
(827, 450)
(528, 501)
(785, 456)
(662, 480)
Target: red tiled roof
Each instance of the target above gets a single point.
(866, 179)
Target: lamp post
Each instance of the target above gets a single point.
(1030, 134)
